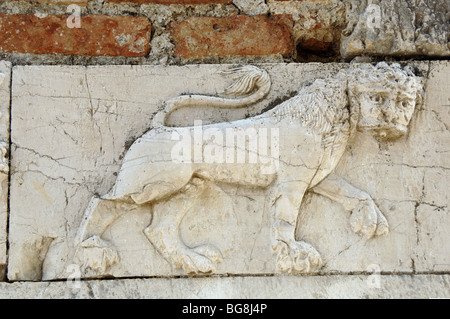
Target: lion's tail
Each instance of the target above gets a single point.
(251, 85)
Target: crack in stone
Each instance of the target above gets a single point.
(440, 120)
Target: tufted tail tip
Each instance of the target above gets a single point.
(247, 79)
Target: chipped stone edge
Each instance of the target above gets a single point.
(286, 287)
(5, 137)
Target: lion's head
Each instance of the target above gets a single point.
(386, 96)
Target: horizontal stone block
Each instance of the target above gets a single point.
(283, 287)
(113, 201)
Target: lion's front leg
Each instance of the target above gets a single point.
(292, 256)
(365, 218)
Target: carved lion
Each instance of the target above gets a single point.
(313, 129)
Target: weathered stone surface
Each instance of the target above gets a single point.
(285, 287)
(5, 80)
(399, 28)
(102, 117)
(252, 7)
(432, 211)
(317, 24)
(94, 119)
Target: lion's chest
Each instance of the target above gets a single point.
(304, 153)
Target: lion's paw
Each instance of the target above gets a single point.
(201, 259)
(96, 256)
(297, 257)
(367, 219)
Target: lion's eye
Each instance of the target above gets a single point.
(404, 104)
(377, 99)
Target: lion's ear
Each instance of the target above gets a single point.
(419, 84)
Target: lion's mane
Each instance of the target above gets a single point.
(322, 107)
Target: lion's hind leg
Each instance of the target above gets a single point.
(95, 254)
(164, 233)
(98, 216)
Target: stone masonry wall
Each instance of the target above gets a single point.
(81, 80)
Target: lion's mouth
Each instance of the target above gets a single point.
(386, 131)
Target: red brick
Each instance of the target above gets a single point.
(198, 37)
(315, 45)
(98, 35)
(175, 1)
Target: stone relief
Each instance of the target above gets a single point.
(5, 93)
(404, 27)
(308, 135)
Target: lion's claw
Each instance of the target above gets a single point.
(201, 259)
(297, 257)
(367, 219)
(96, 256)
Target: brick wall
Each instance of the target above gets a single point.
(217, 31)
(168, 31)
